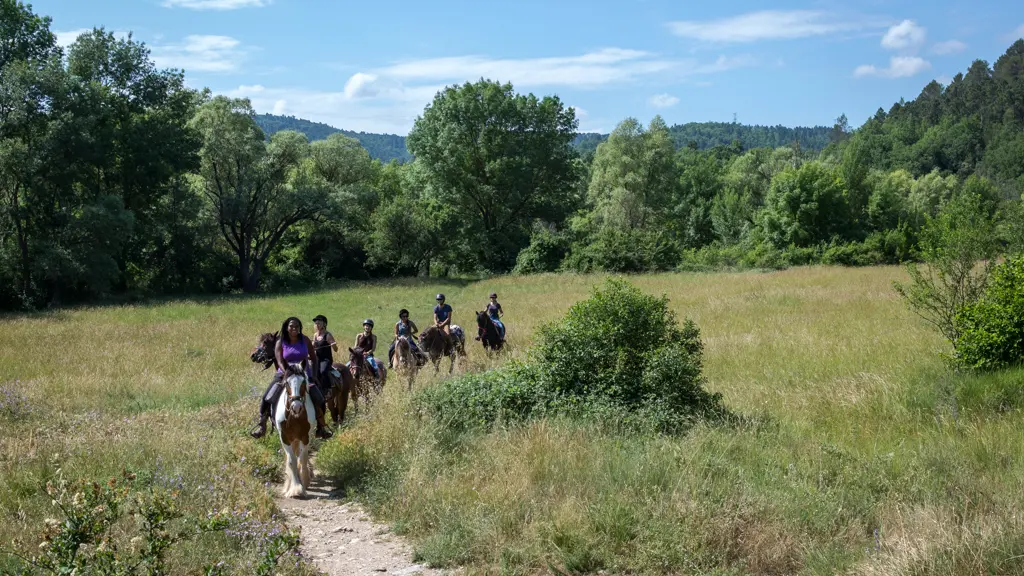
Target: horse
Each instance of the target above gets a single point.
(336, 390)
(489, 336)
(404, 360)
(295, 418)
(432, 341)
(359, 369)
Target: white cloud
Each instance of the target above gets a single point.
(899, 67)
(389, 98)
(663, 101)
(766, 25)
(279, 107)
(949, 47)
(215, 4)
(903, 36)
(66, 38)
(944, 80)
(199, 53)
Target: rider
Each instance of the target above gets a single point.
(407, 328)
(367, 340)
(293, 347)
(495, 312)
(325, 345)
(443, 320)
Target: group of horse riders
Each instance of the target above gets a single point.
(294, 347)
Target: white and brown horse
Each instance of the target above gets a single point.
(295, 418)
(404, 360)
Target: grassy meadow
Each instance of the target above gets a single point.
(857, 453)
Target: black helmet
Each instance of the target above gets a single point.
(440, 297)
(368, 321)
(494, 294)
(320, 318)
(403, 312)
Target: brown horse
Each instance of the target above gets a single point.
(362, 375)
(432, 341)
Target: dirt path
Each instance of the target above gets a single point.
(342, 540)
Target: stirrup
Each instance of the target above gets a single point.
(261, 428)
(323, 432)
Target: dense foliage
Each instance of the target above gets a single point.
(118, 180)
(619, 356)
(990, 330)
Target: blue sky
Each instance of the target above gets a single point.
(373, 66)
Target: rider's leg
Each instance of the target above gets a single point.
(321, 408)
(267, 402)
(391, 354)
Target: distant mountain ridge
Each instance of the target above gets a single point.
(387, 147)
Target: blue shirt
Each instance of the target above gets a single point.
(443, 312)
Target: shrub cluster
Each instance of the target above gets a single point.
(620, 354)
(991, 329)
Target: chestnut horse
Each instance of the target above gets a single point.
(432, 342)
(295, 418)
(362, 375)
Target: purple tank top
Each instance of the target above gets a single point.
(295, 354)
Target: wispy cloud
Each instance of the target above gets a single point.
(66, 38)
(768, 25)
(948, 47)
(1018, 33)
(201, 53)
(663, 101)
(899, 67)
(215, 4)
(906, 35)
(389, 98)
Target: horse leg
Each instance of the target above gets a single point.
(293, 483)
(305, 474)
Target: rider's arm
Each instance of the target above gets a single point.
(312, 358)
(501, 313)
(412, 328)
(332, 341)
(279, 353)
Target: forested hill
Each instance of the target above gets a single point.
(704, 135)
(384, 147)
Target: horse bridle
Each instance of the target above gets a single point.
(260, 355)
(296, 398)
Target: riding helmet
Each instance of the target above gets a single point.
(494, 295)
(440, 297)
(320, 317)
(368, 321)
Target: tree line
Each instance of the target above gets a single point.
(117, 180)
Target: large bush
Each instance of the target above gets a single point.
(620, 354)
(991, 330)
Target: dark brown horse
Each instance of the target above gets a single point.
(337, 388)
(432, 341)
(490, 338)
(362, 376)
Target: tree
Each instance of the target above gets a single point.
(633, 177)
(500, 160)
(258, 191)
(805, 206)
(951, 245)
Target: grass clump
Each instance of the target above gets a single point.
(619, 355)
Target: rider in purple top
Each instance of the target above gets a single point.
(293, 347)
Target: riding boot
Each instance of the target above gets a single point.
(320, 405)
(266, 405)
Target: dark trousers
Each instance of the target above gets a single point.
(273, 393)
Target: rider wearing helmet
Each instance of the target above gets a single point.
(404, 327)
(367, 340)
(495, 312)
(443, 319)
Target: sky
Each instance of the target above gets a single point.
(374, 66)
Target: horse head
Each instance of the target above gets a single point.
(297, 386)
(482, 320)
(263, 353)
(356, 360)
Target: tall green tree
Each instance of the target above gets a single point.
(501, 160)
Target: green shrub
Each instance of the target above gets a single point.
(618, 355)
(546, 251)
(631, 251)
(991, 330)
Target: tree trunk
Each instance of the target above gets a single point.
(26, 264)
(252, 282)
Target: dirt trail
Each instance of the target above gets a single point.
(342, 540)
